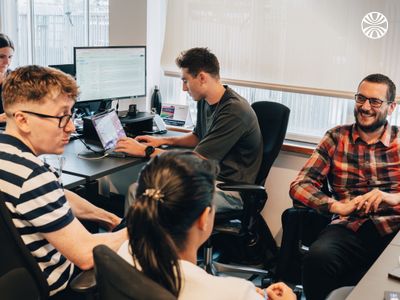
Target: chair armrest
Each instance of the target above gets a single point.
(241, 187)
(84, 282)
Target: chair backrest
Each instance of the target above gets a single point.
(273, 119)
(15, 254)
(118, 280)
(18, 284)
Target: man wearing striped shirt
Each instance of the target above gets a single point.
(361, 162)
(38, 102)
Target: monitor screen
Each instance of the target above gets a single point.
(66, 68)
(110, 72)
(108, 128)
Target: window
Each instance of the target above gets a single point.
(47, 30)
(274, 51)
(310, 116)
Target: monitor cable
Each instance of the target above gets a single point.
(101, 154)
(117, 107)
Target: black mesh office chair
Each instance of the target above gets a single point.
(12, 281)
(18, 268)
(248, 226)
(118, 280)
(17, 261)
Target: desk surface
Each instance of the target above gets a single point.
(71, 181)
(396, 240)
(97, 168)
(93, 169)
(375, 282)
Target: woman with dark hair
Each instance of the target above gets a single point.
(6, 54)
(172, 217)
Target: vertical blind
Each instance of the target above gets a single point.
(307, 46)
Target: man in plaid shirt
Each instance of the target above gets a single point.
(361, 162)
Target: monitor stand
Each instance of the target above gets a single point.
(90, 108)
(104, 105)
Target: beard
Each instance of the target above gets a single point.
(378, 123)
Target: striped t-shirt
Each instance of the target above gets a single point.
(37, 204)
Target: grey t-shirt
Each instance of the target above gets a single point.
(229, 133)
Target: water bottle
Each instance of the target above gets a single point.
(156, 100)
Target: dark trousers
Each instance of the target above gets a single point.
(340, 257)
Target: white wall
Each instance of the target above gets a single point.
(128, 22)
(155, 41)
(140, 22)
(128, 27)
(283, 171)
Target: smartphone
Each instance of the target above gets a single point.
(395, 273)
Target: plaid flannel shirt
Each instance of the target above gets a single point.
(352, 168)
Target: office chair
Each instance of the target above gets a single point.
(301, 226)
(247, 225)
(17, 261)
(18, 268)
(12, 281)
(118, 280)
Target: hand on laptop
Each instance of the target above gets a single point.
(131, 147)
(150, 140)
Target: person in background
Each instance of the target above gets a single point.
(173, 215)
(361, 163)
(6, 54)
(37, 102)
(226, 129)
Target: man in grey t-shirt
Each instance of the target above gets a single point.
(227, 129)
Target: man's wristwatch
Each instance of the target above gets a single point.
(149, 151)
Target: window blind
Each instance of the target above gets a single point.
(306, 46)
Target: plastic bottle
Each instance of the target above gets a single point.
(156, 100)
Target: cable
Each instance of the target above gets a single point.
(101, 154)
(117, 106)
(90, 148)
(92, 158)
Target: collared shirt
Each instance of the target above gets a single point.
(352, 168)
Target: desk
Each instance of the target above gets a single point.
(71, 181)
(376, 281)
(97, 168)
(94, 169)
(396, 240)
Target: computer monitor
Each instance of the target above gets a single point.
(66, 68)
(107, 73)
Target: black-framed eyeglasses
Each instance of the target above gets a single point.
(374, 102)
(62, 120)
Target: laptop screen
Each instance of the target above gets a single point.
(109, 129)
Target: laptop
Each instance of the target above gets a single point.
(109, 129)
(175, 114)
